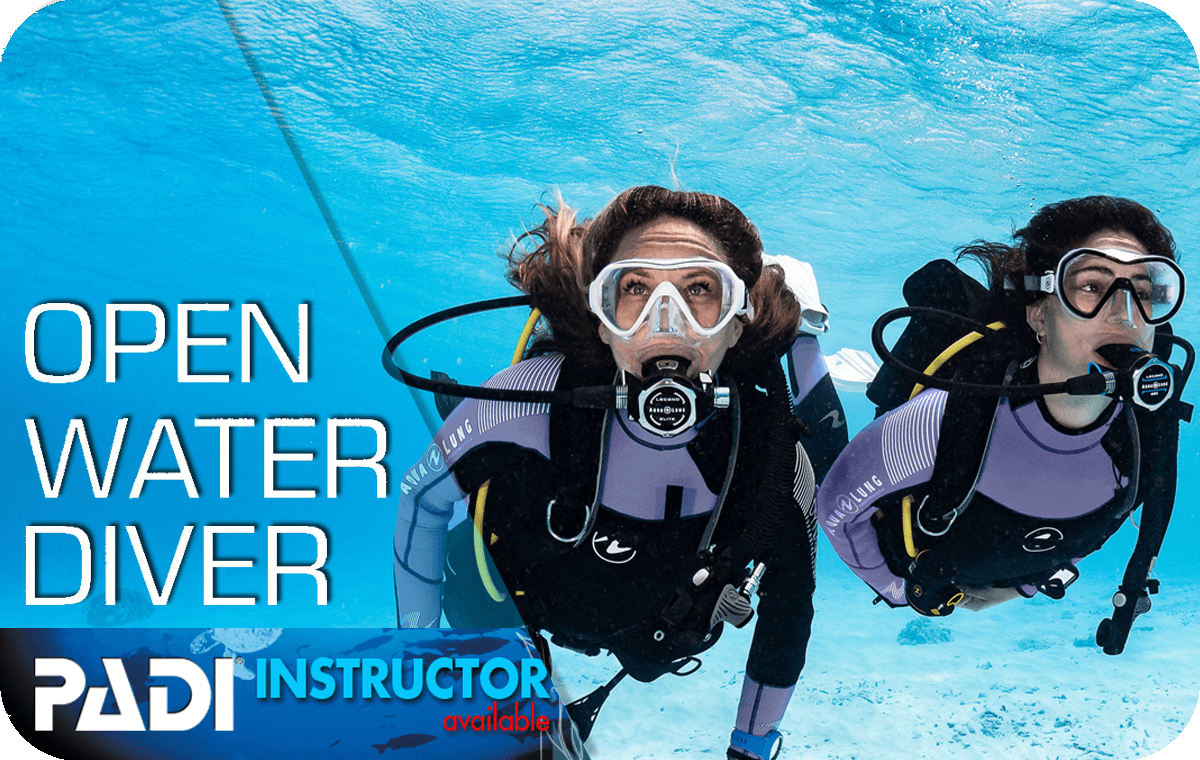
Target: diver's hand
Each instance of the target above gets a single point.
(976, 599)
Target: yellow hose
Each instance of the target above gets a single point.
(958, 345)
(534, 316)
(950, 351)
(906, 522)
(481, 496)
(480, 558)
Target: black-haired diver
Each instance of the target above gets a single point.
(603, 523)
(953, 499)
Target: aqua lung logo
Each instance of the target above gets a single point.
(668, 408)
(1153, 385)
(177, 673)
(1042, 539)
(848, 503)
(456, 437)
(612, 550)
(433, 461)
(837, 419)
(433, 458)
(863, 492)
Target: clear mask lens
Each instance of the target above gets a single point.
(672, 296)
(1088, 281)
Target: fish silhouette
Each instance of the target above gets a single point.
(407, 741)
(473, 645)
(369, 644)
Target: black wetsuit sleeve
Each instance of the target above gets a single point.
(822, 410)
(815, 403)
(785, 609)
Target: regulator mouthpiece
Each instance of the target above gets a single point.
(1137, 375)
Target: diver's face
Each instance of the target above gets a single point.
(671, 238)
(1070, 342)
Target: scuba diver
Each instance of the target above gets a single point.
(1042, 431)
(641, 530)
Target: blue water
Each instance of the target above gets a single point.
(142, 163)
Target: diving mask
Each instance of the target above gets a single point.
(671, 296)
(1087, 278)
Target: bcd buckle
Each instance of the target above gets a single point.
(1055, 586)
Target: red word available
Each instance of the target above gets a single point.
(492, 720)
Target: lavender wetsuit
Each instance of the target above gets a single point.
(1033, 468)
(641, 468)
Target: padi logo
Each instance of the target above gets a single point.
(1042, 539)
(611, 550)
(202, 695)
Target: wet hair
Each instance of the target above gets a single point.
(556, 261)
(545, 263)
(1061, 227)
(640, 205)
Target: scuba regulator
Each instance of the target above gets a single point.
(1137, 375)
(665, 401)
